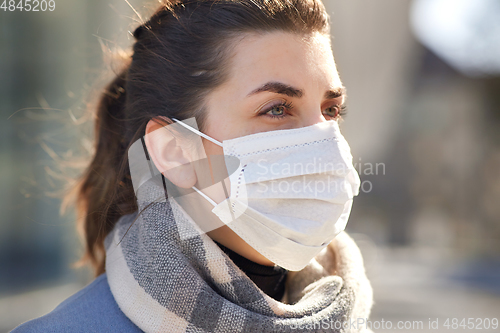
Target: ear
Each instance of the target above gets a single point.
(167, 153)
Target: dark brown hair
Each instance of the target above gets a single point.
(180, 54)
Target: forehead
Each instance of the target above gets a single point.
(302, 61)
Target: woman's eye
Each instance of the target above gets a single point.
(277, 110)
(332, 111)
(335, 111)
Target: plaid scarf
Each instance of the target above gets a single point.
(167, 282)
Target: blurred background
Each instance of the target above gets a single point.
(423, 81)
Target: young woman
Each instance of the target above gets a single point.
(220, 184)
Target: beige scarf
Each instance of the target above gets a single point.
(167, 283)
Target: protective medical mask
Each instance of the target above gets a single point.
(291, 193)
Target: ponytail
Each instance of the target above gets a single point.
(105, 190)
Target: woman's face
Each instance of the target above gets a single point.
(277, 81)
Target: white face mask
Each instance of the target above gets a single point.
(292, 192)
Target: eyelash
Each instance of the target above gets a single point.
(286, 105)
(289, 106)
(342, 110)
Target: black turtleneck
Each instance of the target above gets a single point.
(270, 279)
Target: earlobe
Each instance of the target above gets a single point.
(168, 154)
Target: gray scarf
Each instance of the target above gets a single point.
(167, 283)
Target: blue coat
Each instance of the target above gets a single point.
(92, 309)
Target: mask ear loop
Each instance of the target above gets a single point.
(217, 143)
(198, 132)
(205, 196)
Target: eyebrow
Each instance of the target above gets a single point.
(335, 93)
(285, 89)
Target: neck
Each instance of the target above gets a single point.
(200, 210)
